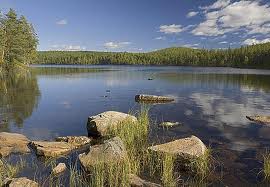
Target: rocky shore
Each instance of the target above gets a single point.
(102, 147)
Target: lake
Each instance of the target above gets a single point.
(211, 103)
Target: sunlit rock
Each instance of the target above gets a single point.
(260, 119)
(60, 168)
(185, 148)
(153, 98)
(75, 141)
(169, 124)
(20, 182)
(100, 124)
(13, 143)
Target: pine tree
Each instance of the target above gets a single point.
(2, 39)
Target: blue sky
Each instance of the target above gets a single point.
(144, 25)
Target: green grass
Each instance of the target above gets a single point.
(266, 165)
(8, 170)
(201, 166)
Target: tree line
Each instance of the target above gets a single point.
(18, 41)
(254, 56)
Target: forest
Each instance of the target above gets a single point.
(18, 44)
(254, 56)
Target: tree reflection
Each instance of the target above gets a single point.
(19, 95)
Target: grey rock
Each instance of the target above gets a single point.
(100, 124)
(185, 148)
(112, 150)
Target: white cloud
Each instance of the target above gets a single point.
(67, 48)
(252, 17)
(192, 14)
(223, 42)
(217, 5)
(252, 41)
(116, 45)
(170, 29)
(194, 46)
(160, 38)
(62, 22)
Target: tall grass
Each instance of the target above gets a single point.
(266, 165)
(201, 166)
(8, 170)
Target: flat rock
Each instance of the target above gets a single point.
(260, 119)
(136, 181)
(100, 124)
(13, 143)
(185, 148)
(20, 182)
(51, 149)
(153, 98)
(169, 124)
(75, 141)
(61, 146)
(112, 150)
(61, 167)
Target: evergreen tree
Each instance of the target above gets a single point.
(18, 40)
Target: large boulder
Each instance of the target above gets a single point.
(100, 124)
(136, 181)
(153, 98)
(112, 150)
(20, 182)
(13, 143)
(62, 145)
(260, 119)
(185, 148)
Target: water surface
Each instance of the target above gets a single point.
(210, 102)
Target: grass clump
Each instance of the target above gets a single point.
(201, 166)
(135, 137)
(8, 170)
(266, 165)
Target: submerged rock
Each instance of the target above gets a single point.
(20, 182)
(185, 148)
(75, 141)
(136, 181)
(153, 98)
(169, 124)
(100, 124)
(112, 150)
(13, 143)
(61, 167)
(260, 119)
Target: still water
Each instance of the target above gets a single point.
(210, 102)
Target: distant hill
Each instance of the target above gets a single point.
(254, 56)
